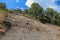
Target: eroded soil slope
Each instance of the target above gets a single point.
(24, 28)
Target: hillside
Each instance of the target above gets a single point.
(24, 28)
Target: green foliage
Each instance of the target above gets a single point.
(57, 19)
(18, 10)
(26, 11)
(36, 12)
(2, 5)
(49, 16)
(35, 9)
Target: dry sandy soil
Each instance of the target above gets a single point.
(24, 28)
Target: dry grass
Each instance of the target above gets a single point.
(29, 29)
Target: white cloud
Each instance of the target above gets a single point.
(17, 1)
(44, 3)
(53, 7)
(29, 2)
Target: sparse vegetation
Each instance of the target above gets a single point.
(29, 29)
(34, 12)
(47, 16)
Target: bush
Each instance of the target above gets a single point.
(2, 5)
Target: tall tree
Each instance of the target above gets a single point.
(2, 5)
(51, 14)
(35, 9)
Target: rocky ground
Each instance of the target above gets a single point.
(24, 28)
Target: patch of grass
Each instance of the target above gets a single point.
(29, 16)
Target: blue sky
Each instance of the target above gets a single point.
(25, 4)
(13, 4)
